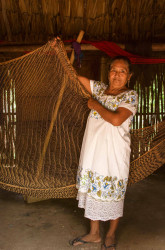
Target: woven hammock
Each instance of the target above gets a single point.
(43, 112)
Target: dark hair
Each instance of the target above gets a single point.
(125, 59)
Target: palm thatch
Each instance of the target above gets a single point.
(121, 21)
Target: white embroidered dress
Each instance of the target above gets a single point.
(105, 157)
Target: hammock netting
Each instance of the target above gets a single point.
(43, 113)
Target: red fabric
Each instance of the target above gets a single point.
(112, 49)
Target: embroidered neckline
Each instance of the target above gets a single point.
(126, 91)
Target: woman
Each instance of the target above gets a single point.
(105, 154)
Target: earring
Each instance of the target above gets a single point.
(128, 83)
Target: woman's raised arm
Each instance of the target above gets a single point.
(86, 83)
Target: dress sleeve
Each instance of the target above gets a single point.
(97, 87)
(130, 101)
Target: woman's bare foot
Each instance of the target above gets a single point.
(89, 238)
(109, 243)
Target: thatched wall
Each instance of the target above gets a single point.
(115, 20)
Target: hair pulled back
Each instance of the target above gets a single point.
(123, 58)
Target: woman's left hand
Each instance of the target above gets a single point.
(92, 103)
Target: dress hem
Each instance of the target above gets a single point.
(98, 210)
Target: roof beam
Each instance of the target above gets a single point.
(13, 48)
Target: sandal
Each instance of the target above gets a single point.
(110, 246)
(78, 239)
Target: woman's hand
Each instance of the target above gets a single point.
(54, 41)
(116, 117)
(92, 103)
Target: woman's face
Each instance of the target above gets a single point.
(119, 74)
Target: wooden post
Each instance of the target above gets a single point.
(103, 69)
(79, 38)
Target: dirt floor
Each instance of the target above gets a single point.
(49, 225)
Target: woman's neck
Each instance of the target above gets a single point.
(114, 91)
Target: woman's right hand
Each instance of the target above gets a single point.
(92, 103)
(53, 42)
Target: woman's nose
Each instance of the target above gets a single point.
(117, 73)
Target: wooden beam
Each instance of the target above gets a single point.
(158, 47)
(13, 48)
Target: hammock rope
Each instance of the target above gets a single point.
(43, 113)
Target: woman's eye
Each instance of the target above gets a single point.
(114, 71)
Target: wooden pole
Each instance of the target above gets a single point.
(79, 38)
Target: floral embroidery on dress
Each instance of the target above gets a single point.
(101, 187)
(109, 101)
